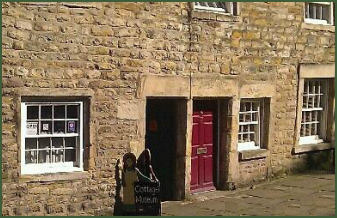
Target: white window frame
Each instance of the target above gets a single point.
(252, 145)
(41, 168)
(213, 9)
(318, 21)
(316, 139)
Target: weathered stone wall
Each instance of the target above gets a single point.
(266, 43)
(102, 50)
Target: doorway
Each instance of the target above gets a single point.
(166, 139)
(204, 153)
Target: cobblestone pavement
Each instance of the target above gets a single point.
(304, 194)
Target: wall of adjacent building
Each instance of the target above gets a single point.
(103, 52)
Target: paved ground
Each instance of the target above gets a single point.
(305, 194)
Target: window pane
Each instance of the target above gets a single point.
(241, 117)
(44, 156)
(254, 117)
(72, 111)
(70, 142)
(31, 144)
(44, 143)
(326, 13)
(46, 127)
(31, 157)
(59, 127)
(32, 112)
(59, 112)
(57, 142)
(72, 126)
(57, 156)
(46, 112)
(70, 155)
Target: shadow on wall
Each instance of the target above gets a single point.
(321, 160)
(118, 210)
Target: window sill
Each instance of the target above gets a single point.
(311, 26)
(51, 177)
(312, 147)
(252, 154)
(210, 15)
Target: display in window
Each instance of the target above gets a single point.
(44, 156)
(59, 127)
(32, 128)
(57, 156)
(72, 126)
(30, 157)
(33, 112)
(46, 127)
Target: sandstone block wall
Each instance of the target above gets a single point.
(100, 51)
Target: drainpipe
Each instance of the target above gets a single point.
(190, 42)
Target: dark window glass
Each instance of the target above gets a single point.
(31, 143)
(32, 112)
(70, 142)
(46, 112)
(70, 155)
(57, 142)
(59, 111)
(59, 127)
(44, 143)
(72, 111)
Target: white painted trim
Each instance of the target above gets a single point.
(213, 9)
(316, 21)
(81, 135)
(200, 7)
(49, 168)
(314, 139)
(322, 3)
(52, 135)
(41, 168)
(23, 133)
(319, 21)
(247, 146)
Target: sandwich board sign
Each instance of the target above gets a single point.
(147, 198)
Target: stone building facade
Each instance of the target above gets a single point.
(119, 65)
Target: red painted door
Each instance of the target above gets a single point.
(202, 151)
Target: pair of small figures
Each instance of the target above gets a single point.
(135, 170)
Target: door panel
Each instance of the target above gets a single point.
(202, 151)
